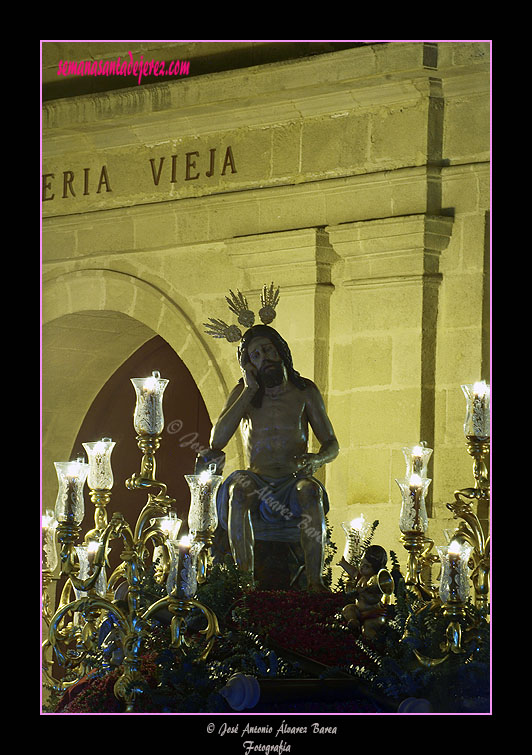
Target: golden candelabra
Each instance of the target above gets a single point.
(466, 558)
(413, 521)
(118, 600)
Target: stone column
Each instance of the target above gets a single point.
(385, 326)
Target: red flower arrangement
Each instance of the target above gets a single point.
(305, 623)
(96, 694)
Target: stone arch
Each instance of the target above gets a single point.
(92, 321)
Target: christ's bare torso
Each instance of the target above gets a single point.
(277, 433)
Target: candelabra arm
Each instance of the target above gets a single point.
(478, 449)
(157, 606)
(55, 684)
(153, 533)
(151, 510)
(70, 567)
(471, 530)
(117, 574)
(426, 557)
(463, 510)
(428, 662)
(84, 585)
(212, 629)
(122, 529)
(82, 604)
(137, 482)
(100, 499)
(452, 642)
(47, 611)
(149, 444)
(179, 607)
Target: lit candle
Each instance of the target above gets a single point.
(182, 577)
(413, 516)
(353, 539)
(415, 496)
(203, 514)
(93, 548)
(100, 472)
(49, 524)
(417, 458)
(354, 530)
(480, 408)
(170, 525)
(184, 543)
(87, 558)
(454, 581)
(148, 418)
(477, 422)
(69, 506)
(453, 554)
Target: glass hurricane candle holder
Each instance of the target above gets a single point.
(413, 516)
(70, 505)
(49, 525)
(148, 418)
(203, 514)
(477, 421)
(454, 580)
(87, 555)
(100, 475)
(100, 479)
(355, 530)
(182, 579)
(417, 459)
(170, 524)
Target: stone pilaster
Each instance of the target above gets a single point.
(387, 309)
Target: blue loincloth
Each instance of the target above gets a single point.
(278, 515)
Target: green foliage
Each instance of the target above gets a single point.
(184, 685)
(369, 537)
(330, 552)
(226, 584)
(460, 683)
(178, 683)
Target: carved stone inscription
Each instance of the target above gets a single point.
(168, 169)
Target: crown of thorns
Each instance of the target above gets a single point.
(238, 304)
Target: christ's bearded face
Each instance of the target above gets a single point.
(264, 356)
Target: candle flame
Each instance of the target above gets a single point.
(205, 476)
(415, 480)
(170, 525)
(74, 468)
(454, 548)
(481, 389)
(358, 523)
(417, 451)
(47, 520)
(185, 541)
(150, 384)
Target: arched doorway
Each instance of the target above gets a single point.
(187, 428)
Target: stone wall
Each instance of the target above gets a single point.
(356, 180)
